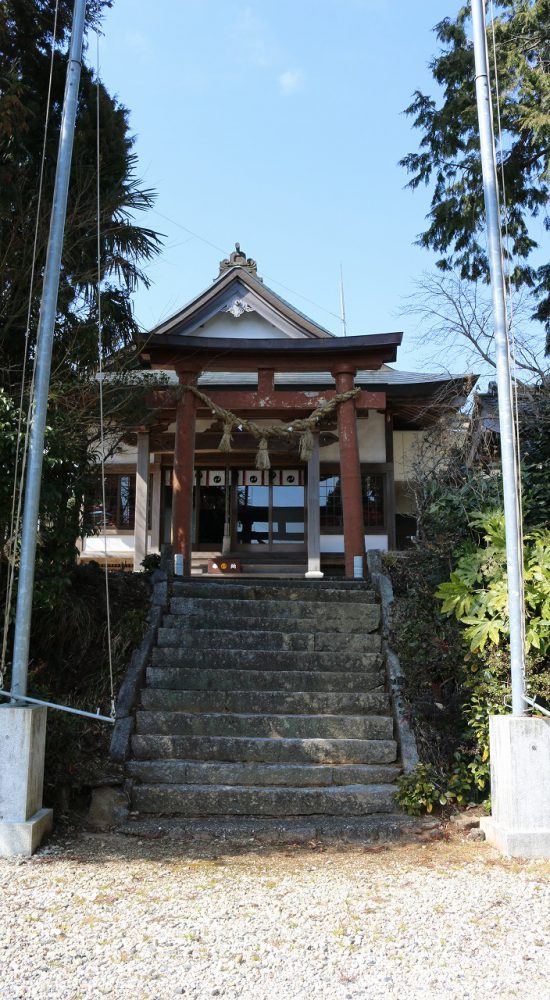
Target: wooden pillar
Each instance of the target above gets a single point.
(156, 495)
(350, 471)
(184, 474)
(197, 508)
(313, 514)
(226, 543)
(142, 496)
(265, 381)
(390, 485)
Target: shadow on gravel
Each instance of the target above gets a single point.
(441, 849)
(70, 843)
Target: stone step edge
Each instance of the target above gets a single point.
(334, 774)
(269, 633)
(321, 678)
(267, 765)
(298, 831)
(252, 749)
(178, 656)
(344, 584)
(193, 621)
(280, 692)
(266, 715)
(361, 672)
(357, 788)
(279, 740)
(182, 694)
(246, 603)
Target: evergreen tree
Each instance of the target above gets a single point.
(449, 156)
(70, 469)
(25, 52)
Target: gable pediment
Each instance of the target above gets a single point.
(238, 305)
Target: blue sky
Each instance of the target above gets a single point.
(280, 125)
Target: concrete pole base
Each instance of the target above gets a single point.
(23, 839)
(314, 574)
(519, 825)
(23, 821)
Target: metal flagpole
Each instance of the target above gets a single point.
(514, 554)
(46, 325)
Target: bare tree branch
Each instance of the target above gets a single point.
(456, 314)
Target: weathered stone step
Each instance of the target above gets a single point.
(213, 800)
(221, 638)
(270, 590)
(269, 750)
(220, 679)
(180, 772)
(300, 702)
(244, 830)
(367, 614)
(212, 619)
(269, 659)
(356, 727)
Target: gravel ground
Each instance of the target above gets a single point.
(100, 915)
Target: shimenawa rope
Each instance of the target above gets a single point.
(303, 426)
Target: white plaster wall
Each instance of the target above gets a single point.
(249, 326)
(376, 542)
(372, 437)
(372, 440)
(124, 455)
(123, 545)
(117, 545)
(405, 445)
(404, 503)
(335, 543)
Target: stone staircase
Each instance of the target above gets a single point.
(265, 713)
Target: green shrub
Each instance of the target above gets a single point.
(451, 618)
(465, 782)
(448, 503)
(429, 643)
(151, 562)
(70, 666)
(477, 592)
(476, 597)
(472, 658)
(420, 790)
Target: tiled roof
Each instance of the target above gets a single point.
(385, 377)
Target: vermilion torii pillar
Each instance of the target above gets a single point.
(184, 475)
(350, 471)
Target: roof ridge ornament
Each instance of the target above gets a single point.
(239, 259)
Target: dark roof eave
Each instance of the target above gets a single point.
(332, 345)
(418, 390)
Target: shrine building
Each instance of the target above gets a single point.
(289, 494)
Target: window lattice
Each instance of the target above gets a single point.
(330, 497)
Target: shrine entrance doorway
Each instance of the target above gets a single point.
(271, 517)
(267, 510)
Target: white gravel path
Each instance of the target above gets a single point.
(104, 916)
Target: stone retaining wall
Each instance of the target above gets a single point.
(401, 710)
